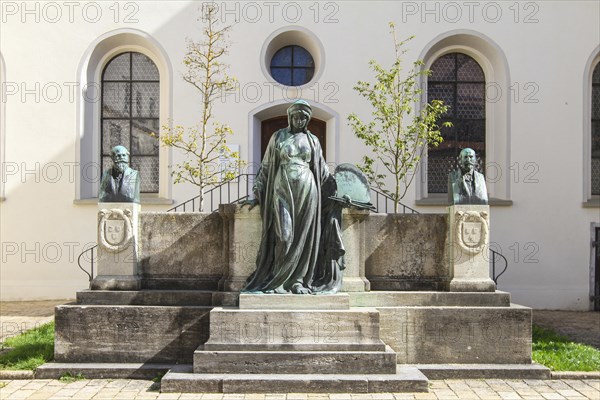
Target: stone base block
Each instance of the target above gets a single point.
(126, 334)
(294, 330)
(293, 302)
(180, 379)
(435, 299)
(409, 284)
(116, 282)
(180, 283)
(355, 284)
(146, 297)
(295, 362)
(458, 335)
(226, 299)
(55, 370)
(470, 285)
(483, 371)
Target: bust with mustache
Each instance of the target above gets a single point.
(466, 185)
(120, 183)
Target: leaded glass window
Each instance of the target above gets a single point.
(459, 82)
(130, 114)
(596, 131)
(292, 66)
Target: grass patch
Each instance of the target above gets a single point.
(2, 384)
(31, 349)
(70, 378)
(559, 353)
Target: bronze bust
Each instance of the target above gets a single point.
(120, 183)
(466, 185)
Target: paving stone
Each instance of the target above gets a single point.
(552, 396)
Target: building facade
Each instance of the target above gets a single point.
(80, 77)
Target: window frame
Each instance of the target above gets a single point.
(455, 82)
(131, 81)
(493, 61)
(293, 67)
(89, 75)
(589, 199)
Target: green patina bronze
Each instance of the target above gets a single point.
(466, 185)
(301, 248)
(120, 183)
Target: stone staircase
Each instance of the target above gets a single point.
(275, 343)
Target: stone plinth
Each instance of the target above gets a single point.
(339, 301)
(468, 244)
(242, 230)
(241, 241)
(458, 335)
(118, 247)
(307, 342)
(182, 251)
(295, 362)
(406, 252)
(294, 330)
(126, 334)
(181, 379)
(353, 236)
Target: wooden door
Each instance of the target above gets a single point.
(270, 126)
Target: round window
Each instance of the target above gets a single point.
(292, 66)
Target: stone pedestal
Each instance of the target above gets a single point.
(353, 236)
(242, 230)
(468, 242)
(241, 240)
(118, 247)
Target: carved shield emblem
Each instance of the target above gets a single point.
(471, 233)
(471, 230)
(114, 231)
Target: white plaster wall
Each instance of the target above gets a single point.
(546, 218)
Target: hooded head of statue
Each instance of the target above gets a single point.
(299, 114)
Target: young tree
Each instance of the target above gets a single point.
(396, 140)
(205, 145)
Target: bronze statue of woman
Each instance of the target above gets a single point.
(288, 188)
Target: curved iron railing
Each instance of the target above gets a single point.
(91, 251)
(493, 259)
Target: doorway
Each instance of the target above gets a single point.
(270, 126)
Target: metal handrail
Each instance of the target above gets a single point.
(494, 276)
(91, 251)
(388, 203)
(210, 195)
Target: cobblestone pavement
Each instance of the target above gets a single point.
(444, 390)
(582, 327)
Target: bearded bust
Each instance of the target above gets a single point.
(466, 185)
(120, 183)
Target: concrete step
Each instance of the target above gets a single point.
(295, 362)
(181, 379)
(146, 297)
(340, 301)
(54, 370)
(483, 371)
(429, 299)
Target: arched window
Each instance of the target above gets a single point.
(595, 175)
(458, 80)
(130, 114)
